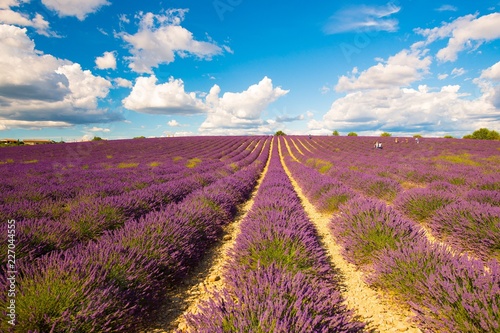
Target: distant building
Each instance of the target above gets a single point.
(8, 141)
(33, 142)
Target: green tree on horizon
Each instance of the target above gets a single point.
(483, 134)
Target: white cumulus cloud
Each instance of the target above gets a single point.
(167, 98)
(99, 129)
(466, 32)
(399, 70)
(36, 21)
(160, 38)
(239, 110)
(409, 110)
(124, 83)
(106, 61)
(49, 91)
(233, 110)
(173, 123)
(77, 8)
(492, 73)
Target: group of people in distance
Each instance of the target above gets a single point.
(378, 144)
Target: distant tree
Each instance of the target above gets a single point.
(279, 133)
(417, 136)
(140, 137)
(335, 133)
(97, 138)
(483, 134)
(448, 137)
(386, 134)
(352, 134)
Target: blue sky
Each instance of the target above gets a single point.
(75, 69)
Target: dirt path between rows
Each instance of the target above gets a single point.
(207, 277)
(372, 306)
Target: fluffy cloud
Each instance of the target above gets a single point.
(173, 123)
(239, 110)
(160, 38)
(39, 81)
(98, 129)
(489, 83)
(124, 83)
(382, 98)
(49, 91)
(77, 8)
(232, 110)
(492, 73)
(85, 88)
(167, 98)
(466, 32)
(399, 70)
(409, 110)
(362, 18)
(107, 61)
(8, 16)
(8, 124)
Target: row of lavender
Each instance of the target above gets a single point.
(451, 187)
(448, 292)
(278, 278)
(57, 178)
(467, 164)
(109, 285)
(89, 214)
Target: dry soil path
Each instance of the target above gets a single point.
(372, 306)
(207, 277)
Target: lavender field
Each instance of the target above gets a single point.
(105, 230)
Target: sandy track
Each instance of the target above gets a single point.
(372, 306)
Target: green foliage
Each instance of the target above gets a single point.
(140, 137)
(124, 165)
(335, 133)
(448, 137)
(483, 134)
(417, 136)
(422, 207)
(321, 165)
(408, 268)
(386, 134)
(97, 138)
(285, 253)
(464, 159)
(280, 133)
(193, 162)
(333, 202)
(352, 134)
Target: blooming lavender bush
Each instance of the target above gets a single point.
(420, 204)
(473, 227)
(366, 227)
(449, 293)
